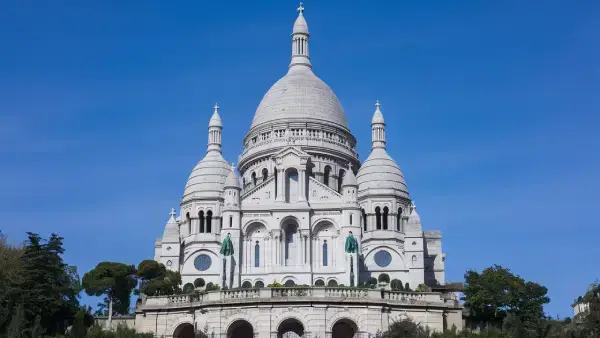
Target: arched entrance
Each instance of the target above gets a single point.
(344, 328)
(290, 328)
(240, 329)
(185, 330)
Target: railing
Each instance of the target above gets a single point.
(299, 294)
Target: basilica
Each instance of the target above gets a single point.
(301, 211)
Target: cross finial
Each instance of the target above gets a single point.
(172, 213)
(377, 104)
(216, 107)
(301, 8)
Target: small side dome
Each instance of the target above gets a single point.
(207, 179)
(300, 26)
(349, 179)
(232, 179)
(380, 174)
(378, 115)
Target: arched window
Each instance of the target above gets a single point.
(364, 219)
(201, 219)
(399, 220)
(259, 284)
(340, 179)
(386, 211)
(256, 255)
(208, 221)
(326, 174)
(319, 282)
(189, 222)
(332, 283)
(265, 174)
(324, 253)
(246, 285)
(230, 221)
(254, 179)
(378, 218)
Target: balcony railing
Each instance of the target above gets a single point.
(293, 294)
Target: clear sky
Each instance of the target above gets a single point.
(493, 112)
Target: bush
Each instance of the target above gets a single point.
(212, 287)
(384, 278)
(188, 288)
(423, 288)
(199, 282)
(275, 285)
(396, 285)
(407, 287)
(373, 281)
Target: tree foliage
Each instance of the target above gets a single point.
(496, 292)
(113, 280)
(39, 293)
(155, 279)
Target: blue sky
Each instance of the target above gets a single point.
(492, 110)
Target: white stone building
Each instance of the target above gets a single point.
(300, 192)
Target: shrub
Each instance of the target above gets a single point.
(275, 285)
(373, 281)
(199, 282)
(212, 287)
(423, 288)
(188, 288)
(384, 278)
(396, 285)
(407, 287)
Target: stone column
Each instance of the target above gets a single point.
(280, 186)
(302, 185)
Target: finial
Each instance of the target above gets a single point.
(301, 8)
(232, 166)
(413, 205)
(172, 214)
(216, 107)
(377, 104)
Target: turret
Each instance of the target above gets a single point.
(300, 38)
(232, 227)
(170, 248)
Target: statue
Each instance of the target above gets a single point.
(351, 244)
(227, 246)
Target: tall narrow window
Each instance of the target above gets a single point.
(340, 179)
(189, 222)
(399, 220)
(201, 219)
(350, 219)
(324, 253)
(256, 255)
(378, 218)
(265, 174)
(254, 179)
(208, 221)
(230, 221)
(364, 219)
(385, 217)
(326, 174)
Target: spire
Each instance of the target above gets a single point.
(300, 38)
(378, 128)
(349, 178)
(232, 180)
(172, 216)
(215, 129)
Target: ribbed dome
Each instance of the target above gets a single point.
(300, 95)
(380, 174)
(208, 177)
(232, 179)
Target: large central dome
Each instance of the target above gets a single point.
(300, 95)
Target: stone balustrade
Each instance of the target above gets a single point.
(297, 294)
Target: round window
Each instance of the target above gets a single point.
(383, 258)
(202, 262)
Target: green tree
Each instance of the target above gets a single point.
(493, 294)
(113, 280)
(405, 329)
(43, 291)
(10, 262)
(155, 279)
(590, 319)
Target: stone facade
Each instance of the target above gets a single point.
(301, 194)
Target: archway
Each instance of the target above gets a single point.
(290, 328)
(344, 328)
(240, 329)
(185, 330)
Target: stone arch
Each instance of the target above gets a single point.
(240, 329)
(195, 253)
(240, 316)
(287, 219)
(292, 278)
(318, 222)
(392, 250)
(343, 328)
(264, 174)
(251, 222)
(341, 316)
(253, 228)
(290, 323)
(181, 325)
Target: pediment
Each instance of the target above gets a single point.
(291, 156)
(320, 193)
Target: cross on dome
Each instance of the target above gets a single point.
(216, 107)
(172, 214)
(377, 104)
(301, 8)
